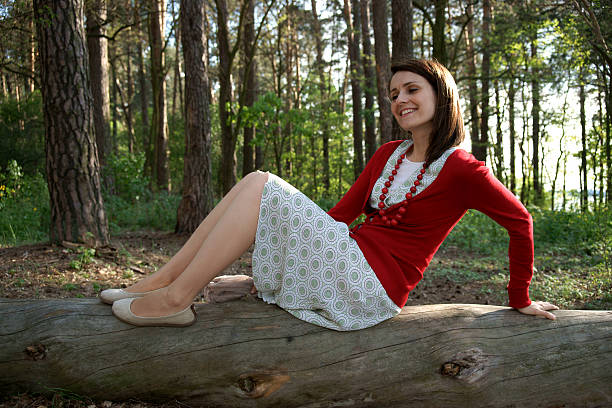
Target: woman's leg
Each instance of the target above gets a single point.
(170, 271)
(233, 233)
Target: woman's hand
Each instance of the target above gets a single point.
(539, 309)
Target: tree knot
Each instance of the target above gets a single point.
(36, 352)
(467, 365)
(257, 385)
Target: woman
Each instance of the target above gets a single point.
(308, 262)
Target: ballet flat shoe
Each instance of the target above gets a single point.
(122, 311)
(112, 295)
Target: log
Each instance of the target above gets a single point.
(250, 354)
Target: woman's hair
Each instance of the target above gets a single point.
(447, 121)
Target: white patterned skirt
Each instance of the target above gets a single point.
(305, 262)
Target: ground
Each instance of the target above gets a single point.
(49, 271)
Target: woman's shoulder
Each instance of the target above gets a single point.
(463, 160)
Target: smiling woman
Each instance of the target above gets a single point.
(309, 263)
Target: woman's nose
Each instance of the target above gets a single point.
(402, 97)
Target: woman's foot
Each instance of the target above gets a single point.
(142, 288)
(151, 282)
(122, 311)
(159, 303)
(110, 296)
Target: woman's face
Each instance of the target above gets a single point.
(413, 102)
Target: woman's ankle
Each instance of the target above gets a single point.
(148, 284)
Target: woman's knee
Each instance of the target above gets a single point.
(259, 177)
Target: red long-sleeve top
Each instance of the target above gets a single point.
(400, 254)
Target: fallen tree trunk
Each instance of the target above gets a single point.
(249, 354)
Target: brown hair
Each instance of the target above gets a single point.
(447, 121)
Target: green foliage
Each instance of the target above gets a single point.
(22, 133)
(157, 212)
(24, 206)
(562, 232)
(127, 173)
(85, 257)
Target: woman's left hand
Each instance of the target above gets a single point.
(539, 309)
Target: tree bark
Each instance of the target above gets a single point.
(248, 353)
(584, 191)
(143, 92)
(351, 16)
(471, 70)
(403, 47)
(97, 45)
(320, 67)
(383, 69)
(438, 31)
(197, 200)
(159, 126)
(228, 140)
(250, 69)
(368, 76)
(499, 140)
(535, 117)
(73, 172)
(512, 133)
(401, 33)
(480, 147)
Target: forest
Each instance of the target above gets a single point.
(183, 99)
(123, 122)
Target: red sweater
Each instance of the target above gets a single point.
(399, 255)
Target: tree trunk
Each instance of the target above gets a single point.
(250, 69)
(248, 353)
(401, 38)
(368, 75)
(535, 117)
(499, 142)
(512, 132)
(197, 200)
(584, 191)
(608, 102)
(438, 31)
(320, 67)
(471, 70)
(401, 29)
(228, 141)
(144, 97)
(97, 45)
(73, 172)
(383, 69)
(351, 16)
(480, 148)
(176, 83)
(129, 116)
(159, 126)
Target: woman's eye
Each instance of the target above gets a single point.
(413, 90)
(393, 97)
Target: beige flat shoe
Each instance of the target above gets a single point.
(112, 295)
(122, 311)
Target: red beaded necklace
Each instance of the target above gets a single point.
(401, 210)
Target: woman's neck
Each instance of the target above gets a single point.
(418, 152)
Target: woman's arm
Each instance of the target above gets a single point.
(483, 192)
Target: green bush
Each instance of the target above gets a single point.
(127, 174)
(22, 133)
(554, 231)
(157, 212)
(24, 206)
